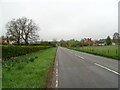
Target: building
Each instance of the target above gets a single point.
(89, 41)
(102, 42)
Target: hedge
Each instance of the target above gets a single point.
(9, 51)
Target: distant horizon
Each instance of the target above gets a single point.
(71, 38)
(64, 19)
(75, 39)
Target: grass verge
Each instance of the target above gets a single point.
(32, 74)
(102, 51)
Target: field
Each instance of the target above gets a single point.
(28, 71)
(108, 51)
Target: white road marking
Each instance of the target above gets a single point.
(79, 56)
(107, 69)
(56, 85)
(56, 75)
(56, 81)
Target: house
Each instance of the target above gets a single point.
(96, 43)
(88, 41)
(113, 43)
(3, 41)
(6, 41)
(102, 42)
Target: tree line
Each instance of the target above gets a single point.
(22, 31)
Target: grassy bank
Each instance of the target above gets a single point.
(30, 71)
(107, 51)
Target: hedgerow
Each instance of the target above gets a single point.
(9, 51)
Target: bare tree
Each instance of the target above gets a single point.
(13, 30)
(23, 29)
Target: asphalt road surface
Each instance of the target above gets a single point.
(82, 70)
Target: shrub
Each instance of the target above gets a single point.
(9, 51)
(32, 59)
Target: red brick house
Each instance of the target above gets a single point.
(88, 41)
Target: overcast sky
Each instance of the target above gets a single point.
(64, 19)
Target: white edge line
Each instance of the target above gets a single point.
(107, 68)
(56, 85)
(56, 75)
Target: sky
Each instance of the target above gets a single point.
(64, 19)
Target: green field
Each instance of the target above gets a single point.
(108, 51)
(28, 71)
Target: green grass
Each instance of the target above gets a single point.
(107, 51)
(30, 71)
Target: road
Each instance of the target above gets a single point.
(82, 70)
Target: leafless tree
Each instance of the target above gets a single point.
(22, 29)
(13, 30)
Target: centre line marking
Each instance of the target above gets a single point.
(79, 56)
(107, 69)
